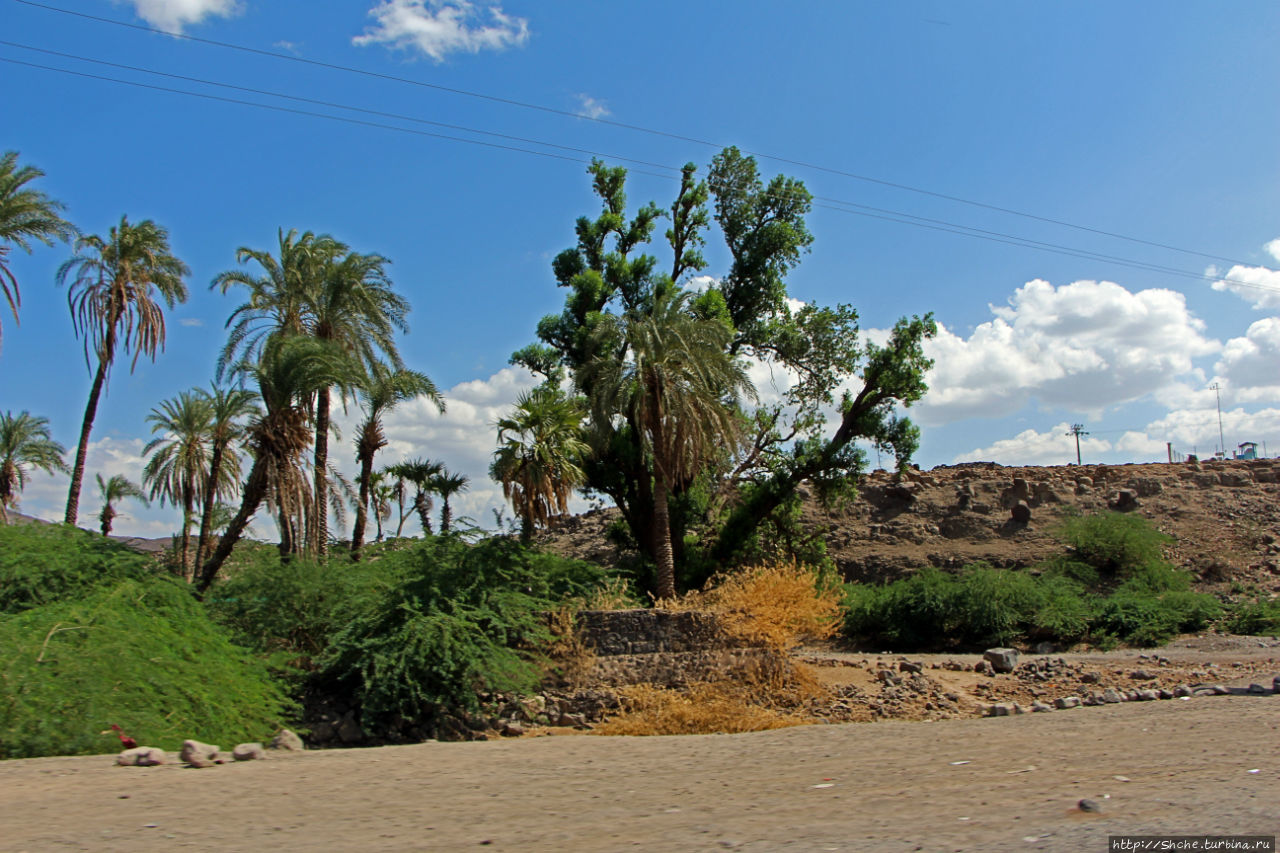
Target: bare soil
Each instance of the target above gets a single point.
(1206, 765)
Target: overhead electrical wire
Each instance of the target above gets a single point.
(626, 126)
(834, 204)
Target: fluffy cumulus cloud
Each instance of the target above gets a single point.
(174, 15)
(1250, 366)
(1084, 346)
(438, 28)
(1029, 447)
(1197, 430)
(1259, 285)
(591, 107)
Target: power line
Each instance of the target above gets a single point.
(626, 126)
(838, 205)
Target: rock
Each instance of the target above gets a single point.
(1001, 660)
(1094, 698)
(1020, 512)
(287, 741)
(1112, 696)
(1141, 675)
(349, 730)
(1000, 709)
(909, 666)
(198, 754)
(1125, 500)
(1183, 690)
(512, 729)
(984, 667)
(1275, 684)
(141, 756)
(1148, 695)
(1259, 689)
(1089, 678)
(1166, 693)
(1087, 805)
(1039, 707)
(248, 752)
(1064, 702)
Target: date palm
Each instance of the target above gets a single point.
(669, 374)
(26, 215)
(380, 391)
(447, 485)
(381, 494)
(419, 472)
(111, 491)
(116, 296)
(229, 410)
(291, 369)
(25, 443)
(539, 457)
(178, 470)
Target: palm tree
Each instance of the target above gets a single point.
(115, 299)
(400, 492)
(356, 308)
(25, 443)
(670, 375)
(229, 407)
(25, 215)
(381, 493)
(381, 390)
(178, 470)
(419, 472)
(447, 485)
(539, 458)
(292, 368)
(117, 488)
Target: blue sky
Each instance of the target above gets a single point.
(1156, 121)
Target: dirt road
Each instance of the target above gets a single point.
(1206, 765)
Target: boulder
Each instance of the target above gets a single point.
(1125, 500)
(1001, 660)
(141, 756)
(198, 754)
(248, 752)
(1039, 707)
(1064, 702)
(1020, 512)
(287, 741)
(1112, 696)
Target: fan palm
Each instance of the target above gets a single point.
(25, 443)
(380, 391)
(669, 374)
(229, 407)
(178, 470)
(539, 458)
(25, 215)
(419, 472)
(115, 299)
(291, 369)
(115, 489)
(447, 485)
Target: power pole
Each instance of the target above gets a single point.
(1222, 442)
(1077, 430)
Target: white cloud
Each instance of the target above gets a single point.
(1029, 447)
(1192, 430)
(1084, 346)
(440, 27)
(175, 14)
(591, 107)
(1250, 366)
(191, 322)
(1259, 285)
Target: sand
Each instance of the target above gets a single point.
(977, 784)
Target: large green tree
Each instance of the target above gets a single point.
(177, 471)
(119, 287)
(26, 215)
(539, 456)
(380, 390)
(609, 276)
(25, 443)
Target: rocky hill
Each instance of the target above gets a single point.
(1224, 518)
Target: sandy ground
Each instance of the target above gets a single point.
(979, 784)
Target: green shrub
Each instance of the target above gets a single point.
(141, 654)
(1259, 616)
(1117, 544)
(45, 563)
(465, 619)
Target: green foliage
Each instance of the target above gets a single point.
(1113, 587)
(1258, 616)
(139, 653)
(41, 564)
(465, 619)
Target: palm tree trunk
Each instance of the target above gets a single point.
(188, 503)
(108, 514)
(320, 538)
(424, 512)
(255, 489)
(662, 542)
(446, 515)
(82, 451)
(357, 533)
(210, 499)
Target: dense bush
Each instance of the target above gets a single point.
(1258, 616)
(141, 654)
(46, 563)
(1112, 586)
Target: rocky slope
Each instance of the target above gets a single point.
(1224, 518)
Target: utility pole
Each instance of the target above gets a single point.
(1077, 430)
(1222, 442)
